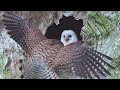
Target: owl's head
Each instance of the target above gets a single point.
(68, 36)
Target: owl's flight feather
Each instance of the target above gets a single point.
(48, 58)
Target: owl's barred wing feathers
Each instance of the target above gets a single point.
(38, 69)
(24, 32)
(15, 25)
(78, 59)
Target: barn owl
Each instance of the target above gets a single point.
(68, 37)
(49, 58)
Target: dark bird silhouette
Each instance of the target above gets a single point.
(49, 58)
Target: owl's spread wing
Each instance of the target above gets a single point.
(24, 31)
(82, 61)
(28, 36)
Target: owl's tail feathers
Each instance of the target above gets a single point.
(14, 25)
(38, 69)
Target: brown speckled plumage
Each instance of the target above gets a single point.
(48, 58)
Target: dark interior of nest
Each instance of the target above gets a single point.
(66, 23)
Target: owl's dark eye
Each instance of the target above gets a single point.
(64, 36)
(69, 36)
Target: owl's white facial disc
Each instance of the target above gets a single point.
(68, 37)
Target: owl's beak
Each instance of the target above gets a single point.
(66, 39)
